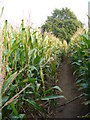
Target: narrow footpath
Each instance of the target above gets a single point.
(67, 83)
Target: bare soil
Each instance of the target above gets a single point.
(67, 83)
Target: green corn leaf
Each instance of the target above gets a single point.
(4, 99)
(33, 68)
(34, 104)
(30, 40)
(37, 59)
(14, 47)
(19, 117)
(42, 78)
(11, 79)
(55, 87)
(8, 82)
(31, 80)
(53, 67)
(58, 88)
(85, 36)
(79, 81)
(14, 109)
(52, 97)
(77, 63)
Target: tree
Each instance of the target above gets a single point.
(63, 24)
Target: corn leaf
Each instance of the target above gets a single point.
(34, 104)
(8, 81)
(52, 97)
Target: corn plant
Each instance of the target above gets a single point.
(30, 63)
(1, 49)
(79, 54)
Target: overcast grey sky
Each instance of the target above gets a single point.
(38, 10)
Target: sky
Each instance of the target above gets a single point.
(36, 11)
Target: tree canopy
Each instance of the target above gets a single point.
(63, 24)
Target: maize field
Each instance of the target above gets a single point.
(28, 65)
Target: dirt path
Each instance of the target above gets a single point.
(70, 91)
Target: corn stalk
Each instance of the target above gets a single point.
(27, 48)
(1, 70)
(1, 80)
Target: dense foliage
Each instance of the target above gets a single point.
(79, 54)
(29, 66)
(63, 24)
(30, 61)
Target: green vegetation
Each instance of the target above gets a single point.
(79, 57)
(30, 61)
(1, 12)
(63, 24)
(29, 65)
(79, 54)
